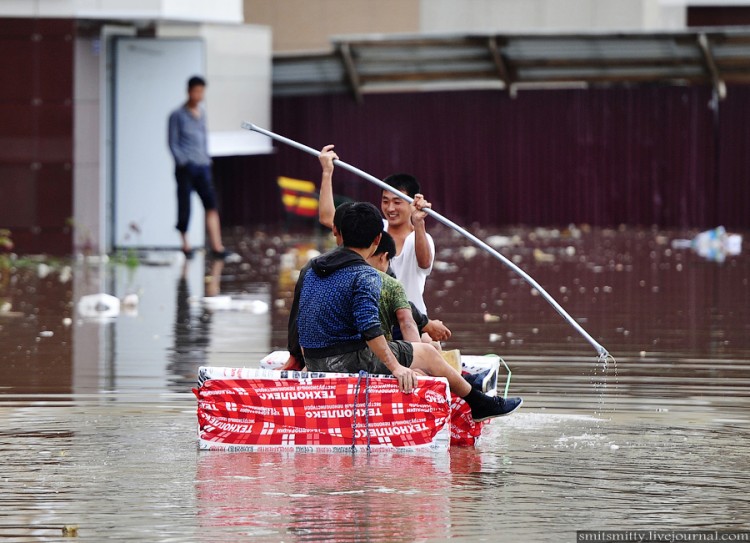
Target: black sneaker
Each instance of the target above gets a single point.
(497, 407)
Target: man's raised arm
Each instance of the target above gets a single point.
(422, 246)
(326, 207)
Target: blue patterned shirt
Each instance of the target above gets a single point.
(339, 312)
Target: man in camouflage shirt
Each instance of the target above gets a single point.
(395, 309)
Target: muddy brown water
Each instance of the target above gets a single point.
(98, 427)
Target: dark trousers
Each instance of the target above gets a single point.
(193, 177)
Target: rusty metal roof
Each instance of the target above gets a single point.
(407, 63)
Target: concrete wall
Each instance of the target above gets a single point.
(88, 213)
(306, 25)
(227, 11)
(547, 15)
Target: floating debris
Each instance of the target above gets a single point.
(442, 266)
(130, 300)
(227, 303)
(468, 252)
(501, 241)
(99, 306)
(541, 256)
(715, 244)
(66, 273)
(42, 270)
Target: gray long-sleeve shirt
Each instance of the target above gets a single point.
(187, 138)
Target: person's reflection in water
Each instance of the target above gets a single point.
(192, 328)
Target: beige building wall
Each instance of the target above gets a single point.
(306, 25)
(548, 15)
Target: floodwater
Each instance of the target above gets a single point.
(98, 423)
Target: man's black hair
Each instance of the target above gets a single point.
(360, 225)
(340, 213)
(404, 182)
(386, 245)
(196, 81)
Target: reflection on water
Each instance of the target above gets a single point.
(97, 422)
(192, 328)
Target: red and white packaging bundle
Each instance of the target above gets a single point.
(246, 409)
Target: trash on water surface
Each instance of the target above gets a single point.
(227, 303)
(99, 305)
(129, 305)
(715, 244)
(541, 256)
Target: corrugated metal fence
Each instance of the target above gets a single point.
(641, 155)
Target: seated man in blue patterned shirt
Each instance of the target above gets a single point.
(339, 321)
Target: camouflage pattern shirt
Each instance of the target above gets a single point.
(392, 298)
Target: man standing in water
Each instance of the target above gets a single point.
(188, 143)
(339, 322)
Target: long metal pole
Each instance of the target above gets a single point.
(602, 352)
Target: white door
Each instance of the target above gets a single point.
(150, 81)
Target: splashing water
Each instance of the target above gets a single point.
(601, 381)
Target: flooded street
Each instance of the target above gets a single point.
(98, 421)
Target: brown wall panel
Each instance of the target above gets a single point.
(734, 142)
(54, 133)
(13, 27)
(55, 60)
(640, 156)
(18, 132)
(17, 196)
(718, 16)
(36, 135)
(53, 188)
(247, 191)
(16, 63)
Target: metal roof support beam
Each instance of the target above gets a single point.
(500, 65)
(351, 71)
(720, 88)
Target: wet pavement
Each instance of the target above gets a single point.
(98, 427)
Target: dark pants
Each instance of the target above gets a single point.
(192, 177)
(364, 359)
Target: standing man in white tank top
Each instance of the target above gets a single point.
(415, 249)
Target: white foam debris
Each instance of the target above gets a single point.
(499, 241)
(468, 252)
(96, 306)
(227, 303)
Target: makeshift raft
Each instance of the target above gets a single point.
(261, 409)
